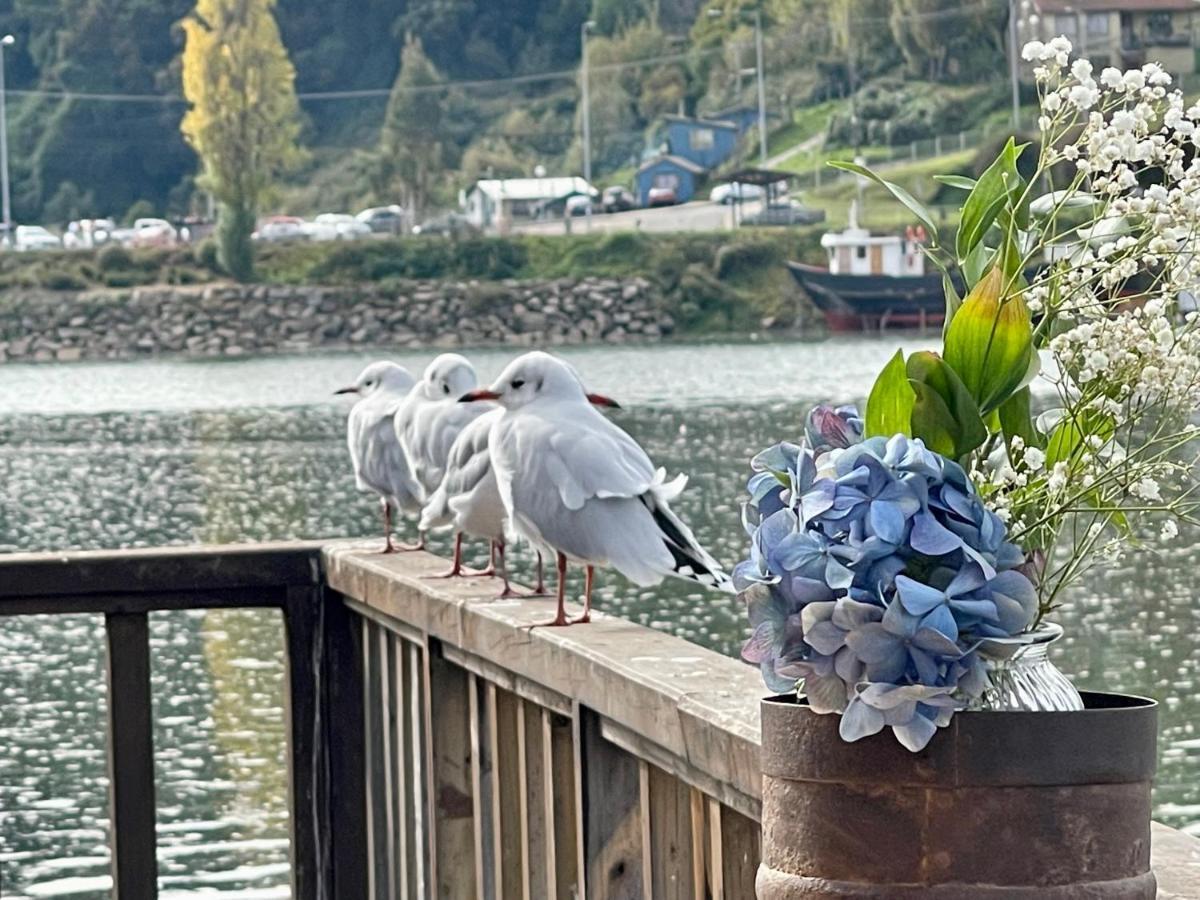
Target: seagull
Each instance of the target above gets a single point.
(469, 498)
(574, 483)
(379, 461)
(429, 420)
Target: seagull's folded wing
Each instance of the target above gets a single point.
(594, 458)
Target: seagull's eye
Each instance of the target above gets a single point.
(518, 383)
(445, 388)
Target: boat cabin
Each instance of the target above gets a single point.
(856, 251)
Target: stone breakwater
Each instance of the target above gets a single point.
(237, 320)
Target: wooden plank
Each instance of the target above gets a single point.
(670, 837)
(506, 802)
(716, 865)
(373, 669)
(532, 732)
(271, 596)
(741, 851)
(301, 700)
(562, 789)
(391, 623)
(342, 719)
(533, 691)
(131, 758)
(384, 791)
(159, 569)
(402, 753)
(451, 801)
(699, 845)
(481, 790)
(644, 810)
(613, 820)
(417, 784)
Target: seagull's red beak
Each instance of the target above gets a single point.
(481, 394)
(601, 400)
(347, 390)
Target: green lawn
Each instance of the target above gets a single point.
(807, 122)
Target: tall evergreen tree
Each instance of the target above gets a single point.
(243, 118)
(412, 150)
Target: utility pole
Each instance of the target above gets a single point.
(762, 90)
(1012, 64)
(7, 41)
(587, 116)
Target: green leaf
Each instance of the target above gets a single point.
(999, 185)
(1068, 437)
(910, 202)
(1016, 419)
(976, 264)
(956, 181)
(953, 301)
(945, 415)
(989, 342)
(890, 405)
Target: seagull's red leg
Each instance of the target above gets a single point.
(540, 590)
(490, 571)
(589, 575)
(502, 567)
(388, 546)
(560, 617)
(456, 570)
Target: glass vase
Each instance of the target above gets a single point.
(1022, 675)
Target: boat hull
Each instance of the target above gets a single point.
(870, 302)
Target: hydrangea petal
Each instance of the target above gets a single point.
(918, 598)
(859, 721)
(941, 620)
(931, 538)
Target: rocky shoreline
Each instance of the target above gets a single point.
(215, 321)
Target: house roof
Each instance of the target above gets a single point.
(679, 161)
(702, 123)
(1069, 6)
(550, 188)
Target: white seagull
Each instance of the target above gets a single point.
(429, 420)
(574, 483)
(379, 461)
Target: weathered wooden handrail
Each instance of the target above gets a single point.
(440, 748)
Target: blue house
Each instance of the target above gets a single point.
(705, 142)
(668, 171)
(744, 117)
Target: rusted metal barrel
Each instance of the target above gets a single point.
(1012, 805)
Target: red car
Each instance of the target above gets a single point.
(661, 196)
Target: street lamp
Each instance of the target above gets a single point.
(1012, 64)
(762, 90)
(587, 116)
(7, 41)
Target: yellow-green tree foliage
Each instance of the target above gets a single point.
(243, 118)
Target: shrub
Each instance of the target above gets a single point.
(114, 258)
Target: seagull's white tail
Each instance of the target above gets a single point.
(437, 510)
(690, 560)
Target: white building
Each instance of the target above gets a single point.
(493, 203)
(856, 251)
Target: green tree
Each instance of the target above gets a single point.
(412, 149)
(243, 118)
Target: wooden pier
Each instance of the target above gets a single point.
(438, 747)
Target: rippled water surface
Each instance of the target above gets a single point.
(134, 454)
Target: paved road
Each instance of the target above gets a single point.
(700, 215)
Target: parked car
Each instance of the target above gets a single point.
(122, 237)
(661, 196)
(579, 205)
(84, 234)
(617, 199)
(385, 219)
(785, 213)
(732, 191)
(154, 233)
(447, 225)
(35, 237)
(280, 230)
(335, 227)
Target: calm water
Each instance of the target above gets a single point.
(117, 455)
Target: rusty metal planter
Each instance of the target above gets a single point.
(1047, 805)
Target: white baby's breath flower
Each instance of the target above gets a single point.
(1147, 489)
(1034, 458)
(1169, 532)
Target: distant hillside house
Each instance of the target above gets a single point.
(1122, 33)
(495, 202)
(705, 142)
(744, 117)
(668, 171)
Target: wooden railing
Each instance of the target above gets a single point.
(606, 761)
(439, 747)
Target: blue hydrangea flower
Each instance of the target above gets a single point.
(874, 573)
